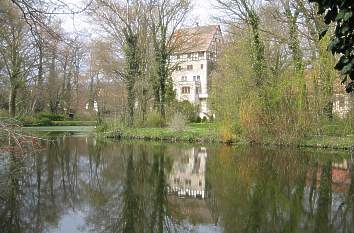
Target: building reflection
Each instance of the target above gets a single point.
(340, 175)
(187, 176)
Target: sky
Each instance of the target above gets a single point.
(202, 13)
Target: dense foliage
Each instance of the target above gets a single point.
(298, 95)
(342, 42)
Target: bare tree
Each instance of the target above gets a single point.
(123, 22)
(15, 51)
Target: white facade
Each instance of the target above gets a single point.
(192, 68)
(342, 104)
(187, 177)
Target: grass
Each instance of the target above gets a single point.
(194, 132)
(73, 123)
(60, 128)
(333, 142)
(208, 132)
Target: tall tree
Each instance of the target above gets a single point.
(166, 16)
(13, 52)
(246, 12)
(123, 23)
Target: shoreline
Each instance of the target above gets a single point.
(338, 143)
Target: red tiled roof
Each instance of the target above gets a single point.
(194, 39)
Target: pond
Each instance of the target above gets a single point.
(84, 184)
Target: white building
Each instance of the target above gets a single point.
(343, 103)
(193, 62)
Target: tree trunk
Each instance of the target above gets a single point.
(131, 100)
(39, 103)
(12, 101)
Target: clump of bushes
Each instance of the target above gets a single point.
(50, 116)
(85, 116)
(4, 113)
(189, 110)
(178, 122)
(153, 120)
(41, 119)
(339, 126)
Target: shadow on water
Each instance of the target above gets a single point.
(82, 184)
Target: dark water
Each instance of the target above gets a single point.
(81, 184)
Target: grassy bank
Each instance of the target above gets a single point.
(195, 132)
(331, 142)
(60, 128)
(206, 133)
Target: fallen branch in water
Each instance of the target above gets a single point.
(13, 139)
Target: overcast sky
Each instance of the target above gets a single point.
(202, 13)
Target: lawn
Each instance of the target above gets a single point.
(195, 132)
(60, 128)
(335, 142)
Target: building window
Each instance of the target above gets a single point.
(189, 67)
(201, 54)
(197, 90)
(198, 78)
(189, 55)
(188, 182)
(184, 78)
(201, 66)
(178, 57)
(194, 78)
(179, 68)
(186, 90)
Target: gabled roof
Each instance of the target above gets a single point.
(196, 39)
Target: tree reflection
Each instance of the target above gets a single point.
(11, 198)
(258, 190)
(128, 188)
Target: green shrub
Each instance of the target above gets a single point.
(177, 122)
(339, 127)
(189, 110)
(73, 123)
(43, 122)
(50, 116)
(103, 127)
(27, 120)
(153, 119)
(4, 113)
(85, 116)
(198, 119)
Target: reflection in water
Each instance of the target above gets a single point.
(187, 177)
(81, 184)
(281, 191)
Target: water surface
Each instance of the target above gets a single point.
(82, 184)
